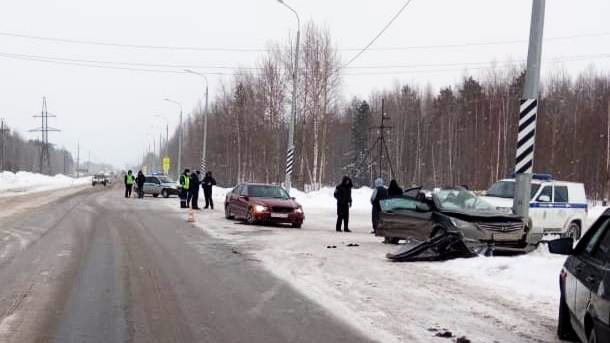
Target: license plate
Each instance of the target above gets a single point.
(279, 215)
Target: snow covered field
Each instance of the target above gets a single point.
(26, 182)
(503, 299)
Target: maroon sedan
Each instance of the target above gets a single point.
(255, 203)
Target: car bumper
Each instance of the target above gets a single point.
(295, 218)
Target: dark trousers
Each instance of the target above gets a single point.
(342, 217)
(128, 191)
(375, 218)
(194, 199)
(183, 197)
(141, 191)
(208, 199)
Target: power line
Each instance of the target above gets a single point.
(178, 69)
(379, 34)
(227, 49)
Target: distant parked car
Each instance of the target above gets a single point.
(100, 179)
(421, 215)
(584, 284)
(555, 206)
(160, 185)
(263, 203)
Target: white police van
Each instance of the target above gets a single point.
(555, 206)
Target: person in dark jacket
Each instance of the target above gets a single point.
(193, 196)
(207, 184)
(140, 183)
(379, 194)
(185, 181)
(394, 190)
(129, 181)
(343, 194)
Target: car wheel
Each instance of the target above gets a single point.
(155, 195)
(228, 214)
(573, 231)
(250, 219)
(391, 240)
(164, 193)
(564, 325)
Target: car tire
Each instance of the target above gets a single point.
(155, 195)
(250, 217)
(228, 214)
(391, 240)
(164, 193)
(565, 331)
(573, 231)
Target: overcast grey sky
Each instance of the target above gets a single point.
(111, 112)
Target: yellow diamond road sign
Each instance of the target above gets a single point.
(166, 165)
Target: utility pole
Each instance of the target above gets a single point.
(293, 114)
(44, 129)
(77, 159)
(527, 114)
(3, 131)
(203, 166)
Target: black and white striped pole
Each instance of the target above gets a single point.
(528, 111)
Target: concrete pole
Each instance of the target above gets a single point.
(293, 115)
(179, 162)
(530, 91)
(205, 131)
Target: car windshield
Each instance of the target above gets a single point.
(459, 199)
(165, 179)
(398, 204)
(267, 192)
(506, 189)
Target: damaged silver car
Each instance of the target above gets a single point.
(448, 223)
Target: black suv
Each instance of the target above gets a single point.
(584, 283)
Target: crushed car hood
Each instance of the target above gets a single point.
(482, 215)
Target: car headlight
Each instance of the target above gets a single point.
(506, 210)
(298, 210)
(260, 208)
(462, 224)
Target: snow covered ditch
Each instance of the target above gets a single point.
(26, 182)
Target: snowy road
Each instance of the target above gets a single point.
(500, 299)
(96, 267)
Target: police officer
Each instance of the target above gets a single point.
(185, 182)
(207, 184)
(140, 179)
(129, 181)
(193, 196)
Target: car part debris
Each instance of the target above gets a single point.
(439, 248)
(353, 245)
(331, 247)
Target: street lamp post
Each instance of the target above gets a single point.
(290, 152)
(179, 162)
(205, 122)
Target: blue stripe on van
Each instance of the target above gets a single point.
(556, 205)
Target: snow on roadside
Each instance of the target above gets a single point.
(26, 182)
(485, 299)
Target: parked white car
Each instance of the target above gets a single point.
(555, 206)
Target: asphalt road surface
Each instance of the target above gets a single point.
(95, 267)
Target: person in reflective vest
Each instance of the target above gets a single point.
(185, 184)
(129, 181)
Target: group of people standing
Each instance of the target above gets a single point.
(189, 189)
(130, 180)
(343, 194)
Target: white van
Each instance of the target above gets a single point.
(555, 206)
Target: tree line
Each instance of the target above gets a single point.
(20, 154)
(463, 134)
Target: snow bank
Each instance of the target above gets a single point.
(26, 182)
